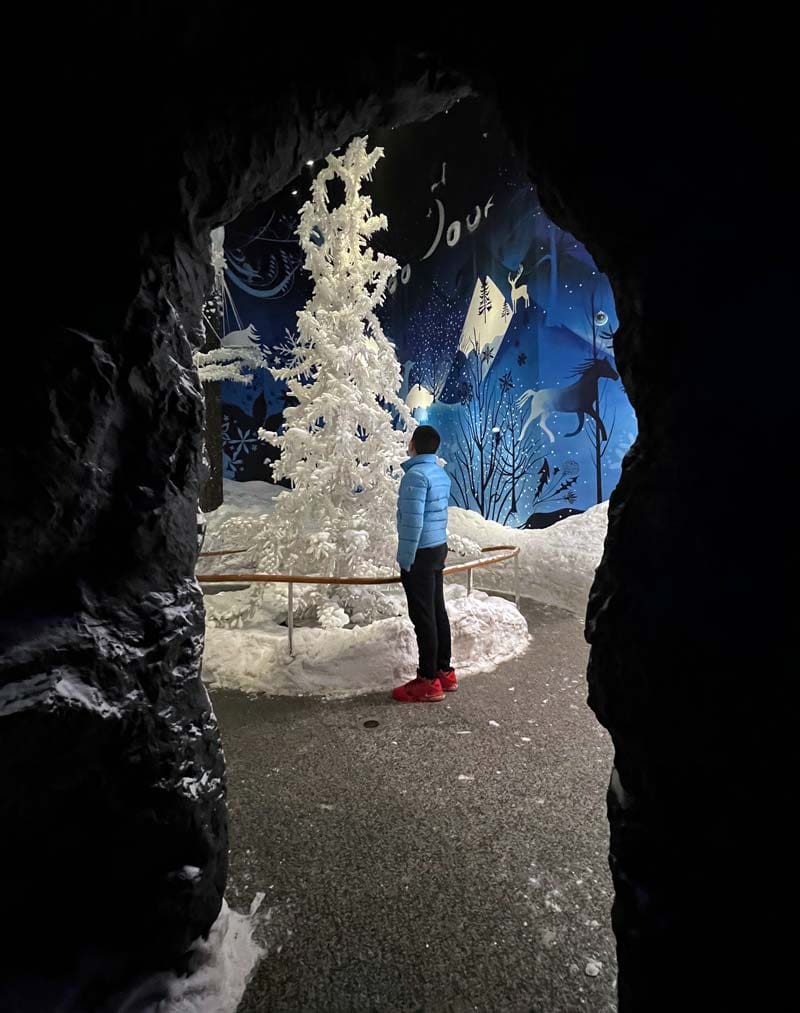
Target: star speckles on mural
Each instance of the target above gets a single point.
(492, 312)
(465, 393)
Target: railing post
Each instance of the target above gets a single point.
(290, 619)
(516, 580)
(469, 581)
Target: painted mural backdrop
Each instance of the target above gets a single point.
(502, 323)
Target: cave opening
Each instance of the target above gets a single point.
(113, 773)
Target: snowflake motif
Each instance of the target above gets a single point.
(487, 354)
(571, 468)
(506, 383)
(240, 444)
(522, 358)
(229, 466)
(465, 393)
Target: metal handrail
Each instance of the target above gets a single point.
(511, 552)
(223, 552)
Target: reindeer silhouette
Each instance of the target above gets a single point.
(518, 292)
(580, 397)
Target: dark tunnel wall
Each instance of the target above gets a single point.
(112, 770)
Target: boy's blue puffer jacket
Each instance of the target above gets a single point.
(421, 507)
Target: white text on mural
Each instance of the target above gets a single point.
(472, 220)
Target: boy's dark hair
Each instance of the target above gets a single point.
(426, 440)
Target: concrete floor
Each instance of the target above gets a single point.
(438, 861)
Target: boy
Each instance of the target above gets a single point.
(421, 554)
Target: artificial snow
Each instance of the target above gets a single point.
(340, 443)
(246, 636)
(220, 967)
(556, 564)
(244, 504)
(486, 632)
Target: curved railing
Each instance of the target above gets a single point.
(509, 552)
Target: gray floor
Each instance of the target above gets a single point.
(411, 866)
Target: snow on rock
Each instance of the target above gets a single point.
(486, 632)
(556, 564)
(219, 969)
(225, 961)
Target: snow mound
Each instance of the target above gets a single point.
(361, 640)
(226, 961)
(556, 564)
(237, 523)
(341, 662)
(246, 520)
(220, 968)
(245, 499)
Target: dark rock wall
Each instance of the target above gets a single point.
(114, 825)
(681, 197)
(650, 146)
(114, 840)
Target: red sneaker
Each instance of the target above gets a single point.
(419, 691)
(448, 680)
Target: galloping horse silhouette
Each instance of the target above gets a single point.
(579, 397)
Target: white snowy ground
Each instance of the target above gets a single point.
(247, 649)
(220, 968)
(556, 564)
(337, 662)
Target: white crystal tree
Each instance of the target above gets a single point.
(344, 438)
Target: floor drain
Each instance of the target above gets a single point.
(371, 724)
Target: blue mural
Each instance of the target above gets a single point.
(502, 323)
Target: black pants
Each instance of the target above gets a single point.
(424, 587)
